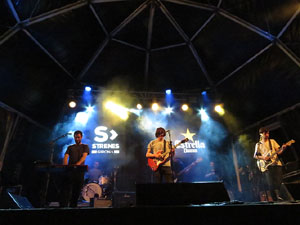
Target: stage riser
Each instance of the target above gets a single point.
(181, 193)
(176, 215)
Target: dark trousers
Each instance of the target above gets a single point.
(274, 178)
(71, 189)
(163, 174)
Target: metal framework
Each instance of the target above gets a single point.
(152, 5)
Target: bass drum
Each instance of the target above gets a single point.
(90, 190)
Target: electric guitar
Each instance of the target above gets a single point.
(186, 169)
(264, 164)
(155, 163)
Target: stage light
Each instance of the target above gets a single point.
(72, 104)
(219, 109)
(203, 93)
(168, 91)
(118, 110)
(139, 106)
(184, 107)
(87, 88)
(155, 107)
(90, 109)
(203, 115)
(168, 110)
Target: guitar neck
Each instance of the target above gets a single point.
(280, 149)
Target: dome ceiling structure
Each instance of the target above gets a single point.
(247, 52)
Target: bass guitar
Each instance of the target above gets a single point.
(264, 164)
(187, 169)
(155, 163)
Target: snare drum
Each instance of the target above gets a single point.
(90, 190)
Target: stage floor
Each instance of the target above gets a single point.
(223, 213)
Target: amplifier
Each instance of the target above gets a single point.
(123, 199)
(100, 203)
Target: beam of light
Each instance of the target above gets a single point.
(203, 115)
(82, 118)
(118, 110)
(168, 110)
(87, 88)
(184, 107)
(139, 106)
(169, 97)
(219, 109)
(72, 104)
(149, 121)
(155, 107)
(87, 95)
(136, 111)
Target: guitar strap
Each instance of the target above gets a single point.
(270, 144)
(164, 146)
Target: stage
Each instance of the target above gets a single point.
(227, 213)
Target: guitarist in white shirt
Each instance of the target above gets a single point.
(264, 151)
(158, 149)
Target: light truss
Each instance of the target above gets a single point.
(215, 9)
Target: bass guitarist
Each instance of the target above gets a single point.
(160, 149)
(264, 150)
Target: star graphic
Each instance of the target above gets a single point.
(188, 135)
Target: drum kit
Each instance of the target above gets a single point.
(100, 188)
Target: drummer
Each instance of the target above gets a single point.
(94, 173)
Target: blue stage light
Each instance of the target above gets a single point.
(87, 88)
(204, 93)
(168, 91)
(90, 109)
(204, 116)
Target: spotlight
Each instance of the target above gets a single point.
(219, 109)
(168, 91)
(184, 107)
(168, 110)
(139, 106)
(203, 114)
(204, 93)
(87, 88)
(72, 104)
(155, 107)
(90, 109)
(119, 110)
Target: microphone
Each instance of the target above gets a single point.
(168, 131)
(66, 134)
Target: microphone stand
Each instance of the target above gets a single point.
(171, 158)
(45, 192)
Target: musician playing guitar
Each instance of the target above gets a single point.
(158, 149)
(264, 150)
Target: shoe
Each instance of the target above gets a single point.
(278, 198)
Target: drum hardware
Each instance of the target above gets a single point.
(103, 180)
(91, 190)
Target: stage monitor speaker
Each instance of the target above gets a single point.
(181, 193)
(293, 190)
(123, 199)
(12, 201)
